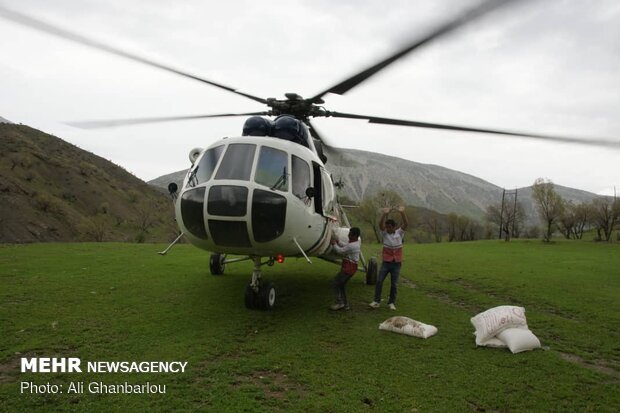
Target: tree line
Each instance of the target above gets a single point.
(504, 220)
(602, 214)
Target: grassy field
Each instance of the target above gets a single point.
(103, 302)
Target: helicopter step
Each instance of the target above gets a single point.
(258, 294)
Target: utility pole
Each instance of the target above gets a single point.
(510, 225)
(514, 215)
(501, 215)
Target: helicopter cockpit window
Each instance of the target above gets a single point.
(272, 169)
(207, 164)
(237, 162)
(300, 177)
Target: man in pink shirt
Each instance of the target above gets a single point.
(392, 255)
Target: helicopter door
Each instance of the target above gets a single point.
(324, 192)
(328, 195)
(318, 190)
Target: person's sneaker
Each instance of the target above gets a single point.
(337, 306)
(374, 304)
(392, 307)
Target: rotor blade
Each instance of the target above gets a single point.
(112, 123)
(42, 26)
(316, 135)
(349, 83)
(325, 146)
(388, 121)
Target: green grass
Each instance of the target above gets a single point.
(104, 302)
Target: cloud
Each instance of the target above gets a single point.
(546, 66)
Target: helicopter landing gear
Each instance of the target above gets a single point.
(371, 272)
(258, 294)
(216, 264)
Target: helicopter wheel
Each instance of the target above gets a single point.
(251, 298)
(371, 272)
(216, 264)
(267, 296)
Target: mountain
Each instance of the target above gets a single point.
(429, 186)
(51, 190)
(2, 120)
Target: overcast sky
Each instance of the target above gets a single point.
(547, 66)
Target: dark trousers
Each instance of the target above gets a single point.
(340, 281)
(392, 268)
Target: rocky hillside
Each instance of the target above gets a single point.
(430, 186)
(51, 190)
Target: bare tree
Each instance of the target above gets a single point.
(145, 220)
(549, 204)
(435, 227)
(509, 222)
(96, 228)
(606, 212)
(370, 207)
(583, 215)
(462, 228)
(452, 224)
(568, 220)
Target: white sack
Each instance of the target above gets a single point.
(405, 325)
(490, 323)
(519, 339)
(492, 342)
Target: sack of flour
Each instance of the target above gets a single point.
(490, 323)
(519, 339)
(405, 325)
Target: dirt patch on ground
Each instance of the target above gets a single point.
(408, 283)
(274, 384)
(598, 367)
(10, 367)
(9, 370)
(446, 299)
(511, 300)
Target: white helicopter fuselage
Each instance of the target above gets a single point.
(258, 196)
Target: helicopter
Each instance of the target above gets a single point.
(267, 194)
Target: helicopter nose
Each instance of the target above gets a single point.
(268, 215)
(225, 202)
(236, 215)
(265, 213)
(192, 212)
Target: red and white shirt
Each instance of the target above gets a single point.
(393, 245)
(351, 255)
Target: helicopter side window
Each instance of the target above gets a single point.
(207, 164)
(272, 169)
(237, 162)
(301, 177)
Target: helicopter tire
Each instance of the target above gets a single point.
(216, 264)
(371, 272)
(267, 296)
(251, 298)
